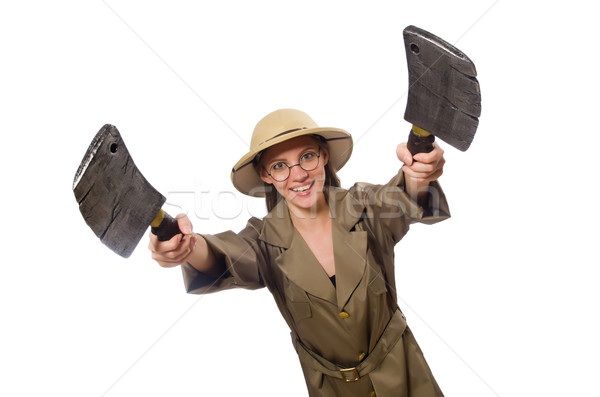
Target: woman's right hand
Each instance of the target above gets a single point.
(177, 250)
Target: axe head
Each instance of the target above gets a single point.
(443, 94)
(115, 199)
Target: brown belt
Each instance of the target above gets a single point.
(390, 336)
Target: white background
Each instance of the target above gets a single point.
(502, 297)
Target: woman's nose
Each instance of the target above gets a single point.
(297, 172)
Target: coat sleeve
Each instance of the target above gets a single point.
(239, 253)
(389, 209)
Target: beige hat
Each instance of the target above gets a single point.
(280, 126)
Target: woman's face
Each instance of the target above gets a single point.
(302, 189)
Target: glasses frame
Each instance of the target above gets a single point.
(292, 166)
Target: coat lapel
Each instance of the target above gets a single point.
(299, 263)
(300, 266)
(350, 261)
(350, 246)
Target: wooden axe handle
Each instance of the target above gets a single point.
(419, 141)
(164, 226)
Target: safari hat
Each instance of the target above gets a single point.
(280, 126)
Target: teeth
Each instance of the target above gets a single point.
(301, 189)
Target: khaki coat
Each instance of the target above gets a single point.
(352, 339)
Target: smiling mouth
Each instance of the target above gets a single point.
(302, 189)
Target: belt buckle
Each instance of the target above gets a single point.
(350, 374)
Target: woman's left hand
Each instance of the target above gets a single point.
(422, 168)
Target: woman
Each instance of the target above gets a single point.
(325, 253)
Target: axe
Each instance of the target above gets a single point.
(444, 100)
(115, 199)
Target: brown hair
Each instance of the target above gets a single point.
(272, 197)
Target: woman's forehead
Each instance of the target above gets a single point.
(291, 147)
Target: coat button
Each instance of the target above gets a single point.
(361, 357)
(373, 394)
(343, 315)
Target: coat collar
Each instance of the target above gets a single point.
(299, 263)
(278, 228)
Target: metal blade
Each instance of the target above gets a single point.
(115, 199)
(444, 96)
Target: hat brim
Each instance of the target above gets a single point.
(245, 178)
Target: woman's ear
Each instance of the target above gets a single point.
(264, 176)
(325, 156)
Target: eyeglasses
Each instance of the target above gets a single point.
(281, 171)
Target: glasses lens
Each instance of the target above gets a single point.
(309, 161)
(280, 172)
